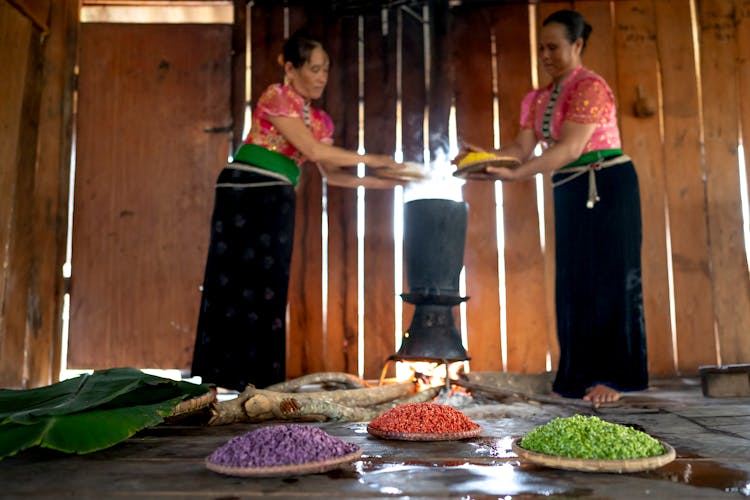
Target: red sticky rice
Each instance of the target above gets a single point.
(423, 418)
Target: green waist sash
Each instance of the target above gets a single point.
(258, 156)
(593, 157)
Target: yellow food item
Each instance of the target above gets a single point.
(476, 156)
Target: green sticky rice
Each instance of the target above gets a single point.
(592, 438)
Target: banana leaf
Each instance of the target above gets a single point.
(90, 412)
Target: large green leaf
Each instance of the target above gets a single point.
(83, 432)
(14, 401)
(90, 412)
(14, 437)
(116, 387)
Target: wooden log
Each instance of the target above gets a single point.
(254, 405)
(636, 50)
(731, 284)
(503, 394)
(686, 200)
(318, 378)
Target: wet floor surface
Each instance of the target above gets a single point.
(711, 436)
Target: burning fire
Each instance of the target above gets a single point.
(429, 373)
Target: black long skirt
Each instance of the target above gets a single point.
(599, 299)
(241, 335)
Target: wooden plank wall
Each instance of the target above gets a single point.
(693, 240)
(36, 41)
(687, 59)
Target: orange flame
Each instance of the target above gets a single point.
(429, 373)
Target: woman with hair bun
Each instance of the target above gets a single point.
(598, 289)
(241, 334)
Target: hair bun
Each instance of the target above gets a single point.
(586, 31)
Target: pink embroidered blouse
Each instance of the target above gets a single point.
(584, 97)
(282, 100)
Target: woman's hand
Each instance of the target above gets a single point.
(503, 173)
(382, 161)
(347, 177)
(466, 148)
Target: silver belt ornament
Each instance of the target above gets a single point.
(591, 168)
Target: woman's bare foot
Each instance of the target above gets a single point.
(600, 393)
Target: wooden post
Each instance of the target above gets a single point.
(44, 323)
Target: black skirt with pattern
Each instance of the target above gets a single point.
(241, 335)
(599, 299)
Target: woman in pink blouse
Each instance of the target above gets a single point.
(241, 334)
(599, 300)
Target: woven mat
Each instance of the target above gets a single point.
(434, 436)
(595, 465)
(284, 470)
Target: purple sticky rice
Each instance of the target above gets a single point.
(281, 445)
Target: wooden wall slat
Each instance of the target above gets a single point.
(471, 58)
(542, 11)
(414, 100)
(50, 198)
(743, 75)
(22, 89)
(38, 11)
(638, 68)
(441, 76)
(267, 39)
(600, 48)
(720, 116)
(380, 134)
(524, 261)
(141, 223)
(685, 193)
(15, 34)
(305, 335)
(413, 93)
(239, 76)
(341, 101)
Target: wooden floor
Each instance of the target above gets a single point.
(711, 436)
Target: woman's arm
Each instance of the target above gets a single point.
(522, 146)
(343, 178)
(573, 138)
(295, 131)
